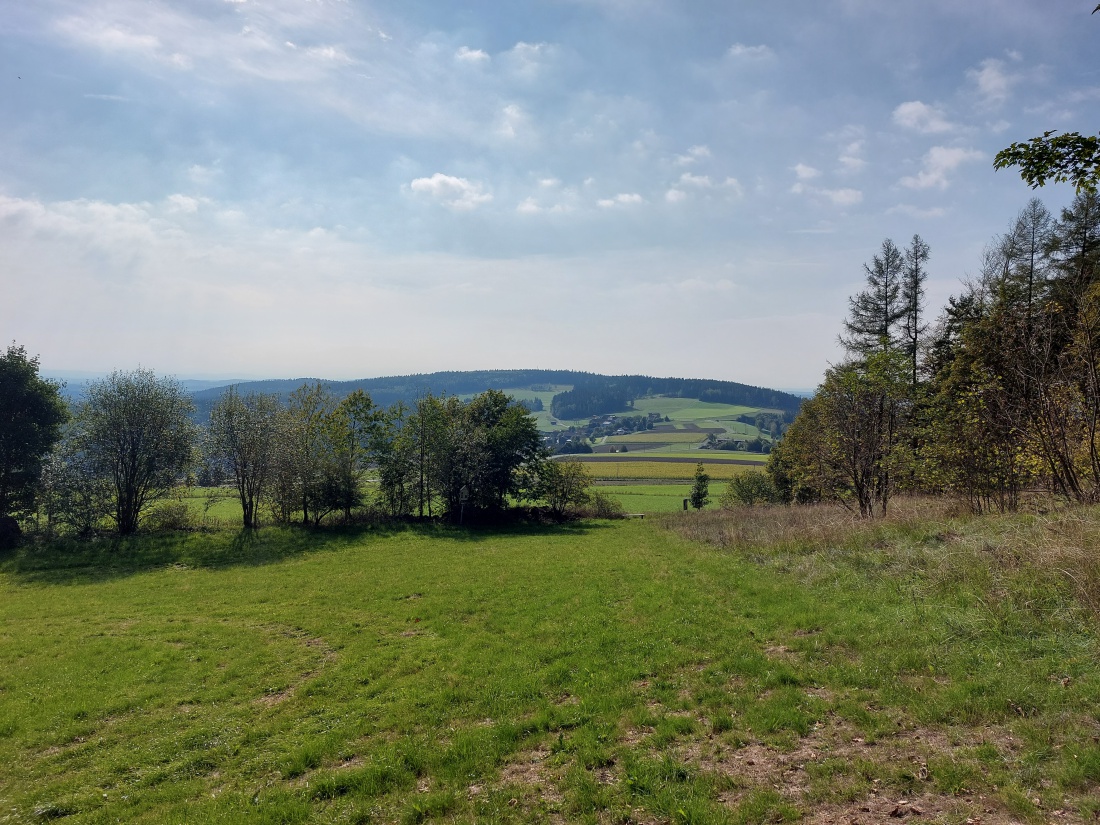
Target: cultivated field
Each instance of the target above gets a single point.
(661, 468)
(775, 665)
(680, 411)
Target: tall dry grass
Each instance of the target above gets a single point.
(803, 528)
(934, 540)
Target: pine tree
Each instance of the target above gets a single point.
(875, 313)
(912, 299)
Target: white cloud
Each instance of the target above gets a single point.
(201, 174)
(851, 142)
(455, 193)
(838, 197)
(701, 181)
(804, 172)
(472, 56)
(851, 164)
(513, 121)
(920, 117)
(916, 212)
(693, 155)
(530, 206)
(743, 52)
(622, 199)
(843, 197)
(993, 81)
(183, 203)
(938, 163)
(529, 60)
(334, 54)
(734, 186)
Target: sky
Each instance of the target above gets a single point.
(355, 188)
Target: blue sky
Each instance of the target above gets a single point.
(346, 188)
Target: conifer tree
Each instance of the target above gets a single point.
(912, 299)
(874, 313)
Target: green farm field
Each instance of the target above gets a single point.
(635, 671)
(657, 498)
(678, 410)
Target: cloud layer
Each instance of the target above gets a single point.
(279, 187)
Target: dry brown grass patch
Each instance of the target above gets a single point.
(530, 769)
(933, 532)
(863, 792)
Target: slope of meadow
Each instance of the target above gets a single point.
(707, 668)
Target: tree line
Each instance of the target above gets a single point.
(131, 441)
(996, 397)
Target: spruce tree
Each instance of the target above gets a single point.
(912, 299)
(874, 313)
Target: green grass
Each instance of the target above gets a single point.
(215, 503)
(657, 498)
(594, 672)
(690, 409)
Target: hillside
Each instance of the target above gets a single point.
(620, 389)
(782, 664)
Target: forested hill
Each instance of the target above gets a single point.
(591, 394)
(597, 394)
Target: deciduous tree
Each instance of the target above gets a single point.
(134, 429)
(700, 489)
(31, 415)
(244, 435)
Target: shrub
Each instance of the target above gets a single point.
(601, 505)
(748, 489)
(171, 515)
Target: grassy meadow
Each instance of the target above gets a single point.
(657, 498)
(770, 665)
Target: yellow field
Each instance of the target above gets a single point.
(677, 437)
(661, 469)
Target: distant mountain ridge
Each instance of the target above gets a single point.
(388, 390)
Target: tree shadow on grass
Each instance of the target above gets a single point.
(73, 561)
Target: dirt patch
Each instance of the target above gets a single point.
(270, 700)
(634, 736)
(925, 808)
(820, 775)
(780, 653)
(530, 769)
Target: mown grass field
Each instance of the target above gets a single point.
(657, 498)
(709, 668)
